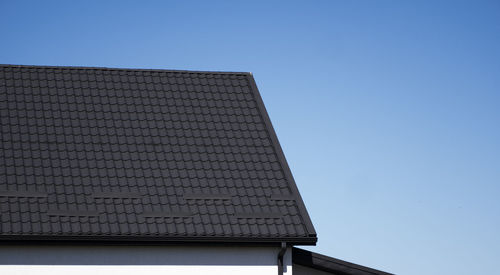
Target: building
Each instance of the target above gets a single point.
(152, 171)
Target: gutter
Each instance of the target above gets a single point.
(154, 240)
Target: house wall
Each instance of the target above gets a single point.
(133, 260)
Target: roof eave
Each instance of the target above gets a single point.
(331, 265)
(155, 240)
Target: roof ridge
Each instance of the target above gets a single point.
(123, 69)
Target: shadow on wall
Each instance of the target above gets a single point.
(137, 255)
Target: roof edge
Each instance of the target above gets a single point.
(281, 155)
(122, 69)
(329, 264)
(152, 240)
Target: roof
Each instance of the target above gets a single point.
(142, 155)
(331, 265)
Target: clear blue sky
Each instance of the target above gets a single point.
(388, 111)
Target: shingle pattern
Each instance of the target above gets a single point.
(125, 152)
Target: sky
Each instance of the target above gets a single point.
(388, 111)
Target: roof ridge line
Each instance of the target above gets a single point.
(123, 69)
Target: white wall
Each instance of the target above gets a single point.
(134, 260)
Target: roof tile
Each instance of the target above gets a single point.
(105, 146)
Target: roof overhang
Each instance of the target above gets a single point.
(331, 265)
(155, 240)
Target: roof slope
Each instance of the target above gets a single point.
(138, 155)
(331, 265)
